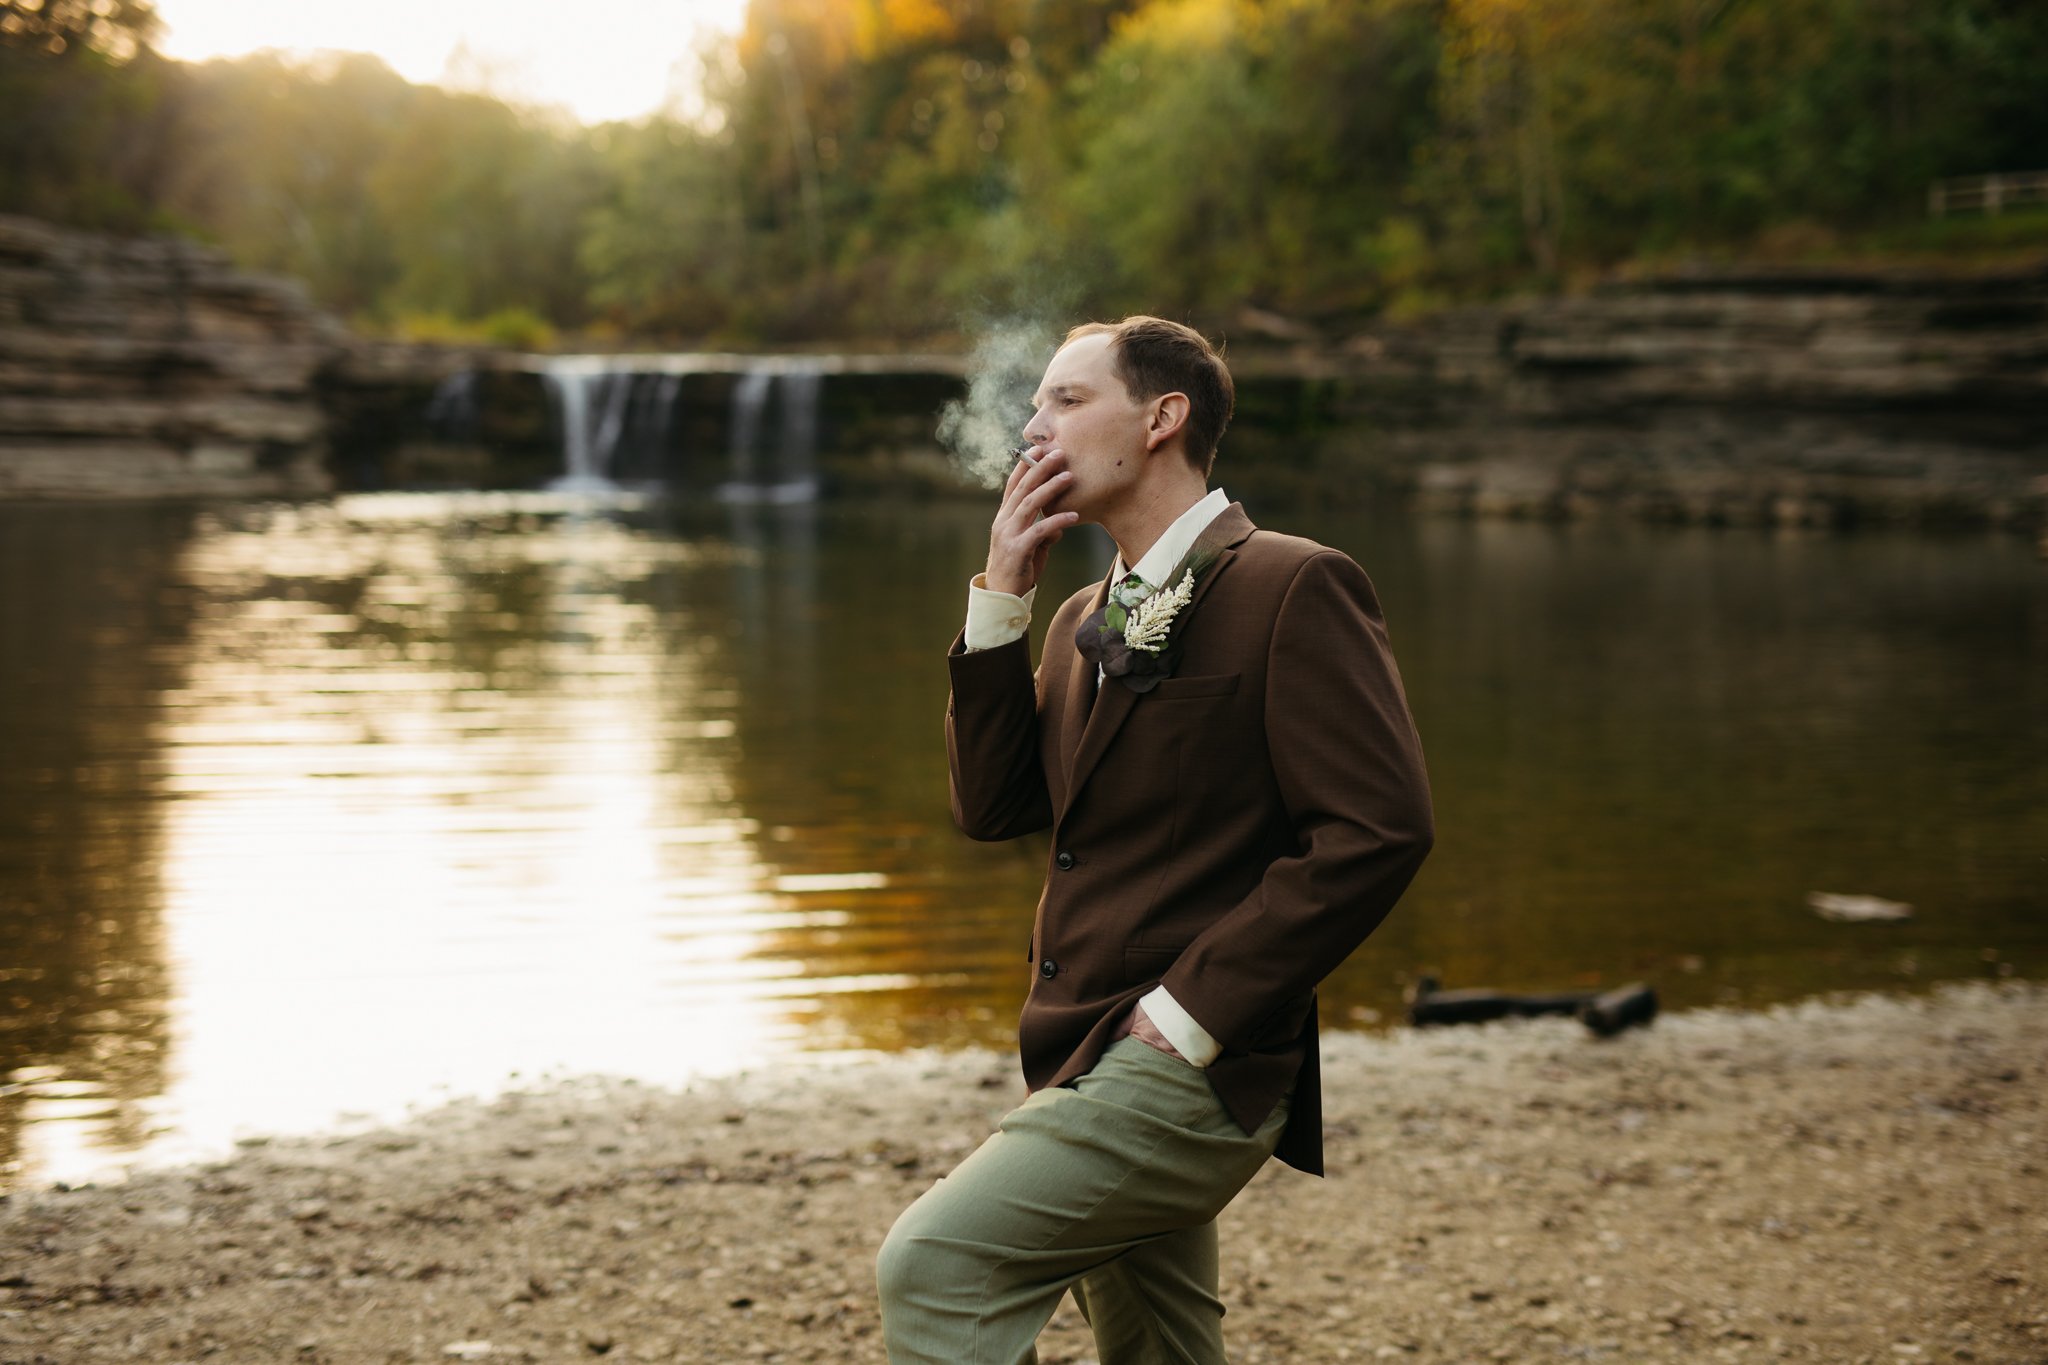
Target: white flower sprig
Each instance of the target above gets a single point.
(1154, 616)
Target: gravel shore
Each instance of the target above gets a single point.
(1852, 1181)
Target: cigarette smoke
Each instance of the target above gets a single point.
(1003, 371)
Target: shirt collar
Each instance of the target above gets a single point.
(1179, 538)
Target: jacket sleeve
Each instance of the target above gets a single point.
(998, 782)
(1349, 768)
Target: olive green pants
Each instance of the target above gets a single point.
(1111, 1188)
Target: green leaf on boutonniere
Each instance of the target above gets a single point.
(1197, 563)
(1100, 638)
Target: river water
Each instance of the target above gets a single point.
(310, 813)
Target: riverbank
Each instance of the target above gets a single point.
(1857, 1181)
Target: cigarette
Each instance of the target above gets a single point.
(1023, 453)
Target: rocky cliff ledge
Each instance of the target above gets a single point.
(136, 368)
(152, 368)
(1809, 397)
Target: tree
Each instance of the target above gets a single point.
(78, 85)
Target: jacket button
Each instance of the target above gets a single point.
(1047, 968)
(1065, 862)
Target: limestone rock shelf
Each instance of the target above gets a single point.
(152, 368)
(1816, 397)
(1712, 396)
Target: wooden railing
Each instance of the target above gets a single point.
(1989, 193)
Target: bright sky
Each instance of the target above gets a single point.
(604, 59)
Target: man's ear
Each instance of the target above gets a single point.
(1169, 417)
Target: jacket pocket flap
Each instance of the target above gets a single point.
(1212, 685)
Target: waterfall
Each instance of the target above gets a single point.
(453, 411)
(610, 395)
(749, 405)
(793, 477)
(799, 447)
(591, 402)
(618, 412)
(658, 416)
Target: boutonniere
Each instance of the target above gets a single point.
(1138, 643)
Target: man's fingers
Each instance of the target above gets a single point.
(1034, 501)
(1022, 553)
(1026, 477)
(1042, 533)
(1020, 536)
(1020, 472)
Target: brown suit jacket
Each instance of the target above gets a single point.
(1235, 833)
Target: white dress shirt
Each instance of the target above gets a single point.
(995, 619)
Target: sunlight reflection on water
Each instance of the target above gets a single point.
(489, 823)
(338, 808)
(442, 806)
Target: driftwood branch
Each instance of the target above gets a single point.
(1605, 1012)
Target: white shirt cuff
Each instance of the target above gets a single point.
(994, 619)
(1189, 1038)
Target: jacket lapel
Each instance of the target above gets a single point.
(1229, 531)
(1084, 745)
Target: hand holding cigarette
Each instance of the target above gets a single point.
(1024, 533)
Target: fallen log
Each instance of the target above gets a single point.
(1623, 1007)
(1605, 1012)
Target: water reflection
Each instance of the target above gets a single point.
(340, 807)
(83, 985)
(424, 792)
(446, 803)
(1647, 744)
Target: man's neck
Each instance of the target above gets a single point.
(1136, 528)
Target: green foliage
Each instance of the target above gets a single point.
(518, 329)
(909, 168)
(1233, 151)
(75, 104)
(1964, 234)
(1587, 131)
(387, 197)
(669, 184)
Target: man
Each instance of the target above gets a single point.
(1219, 742)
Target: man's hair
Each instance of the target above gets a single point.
(1153, 356)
